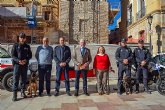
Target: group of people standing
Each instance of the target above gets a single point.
(21, 54)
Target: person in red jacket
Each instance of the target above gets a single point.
(101, 67)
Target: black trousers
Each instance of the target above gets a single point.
(19, 71)
(44, 74)
(142, 71)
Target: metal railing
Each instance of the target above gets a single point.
(141, 13)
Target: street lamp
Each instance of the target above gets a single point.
(158, 31)
(150, 17)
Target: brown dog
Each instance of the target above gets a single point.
(128, 84)
(32, 85)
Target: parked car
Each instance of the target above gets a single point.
(5, 69)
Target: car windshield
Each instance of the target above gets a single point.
(4, 53)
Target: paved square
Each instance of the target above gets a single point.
(141, 101)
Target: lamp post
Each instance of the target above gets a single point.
(158, 31)
(150, 17)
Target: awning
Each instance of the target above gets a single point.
(13, 12)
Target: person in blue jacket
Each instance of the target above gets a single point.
(44, 56)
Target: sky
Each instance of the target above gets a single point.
(113, 2)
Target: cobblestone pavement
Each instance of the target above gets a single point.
(141, 101)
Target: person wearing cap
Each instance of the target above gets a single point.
(142, 57)
(123, 56)
(21, 54)
(44, 56)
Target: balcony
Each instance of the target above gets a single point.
(141, 13)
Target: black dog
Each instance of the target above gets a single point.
(128, 84)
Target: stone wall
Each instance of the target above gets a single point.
(80, 19)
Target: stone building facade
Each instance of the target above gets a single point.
(72, 19)
(84, 19)
(134, 21)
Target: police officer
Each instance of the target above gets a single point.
(21, 54)
(123, 56)
(142, 57)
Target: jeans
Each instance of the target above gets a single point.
(59, 71)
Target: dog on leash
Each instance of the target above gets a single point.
(32, 85)
(128, 84)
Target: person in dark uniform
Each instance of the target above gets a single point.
(142, 57)
(21, 54)
(123, 56)
(62, 57)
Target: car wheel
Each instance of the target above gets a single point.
(7, 81)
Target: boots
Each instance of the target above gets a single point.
(14, 96)
(23, 94)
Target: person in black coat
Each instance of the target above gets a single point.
(62, 57)
(123, 56)
(21, 54)
(142, 57)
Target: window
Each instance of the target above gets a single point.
(46, 15)
(129, 15)
(82, 25)
(4, 53)
(141, 9)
